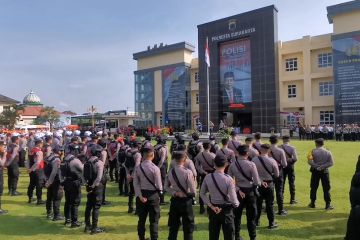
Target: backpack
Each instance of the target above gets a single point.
(213, 148)
(130, 160)
(65, 168)
(48, 165)
(113, 147)
(90, 172)
(157, 155)
(122, 154)
(193, 149)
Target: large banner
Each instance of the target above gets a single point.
(174, 92)
(347, 79)
(235, 72)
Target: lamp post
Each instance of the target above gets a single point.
(92, 110)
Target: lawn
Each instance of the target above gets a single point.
(25, 221)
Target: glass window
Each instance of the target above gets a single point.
(197, 98)
(327, 117)
(196, 77)
(326, 88)
(291, 91)
(325, 60)
(291, 64)
(291, 119)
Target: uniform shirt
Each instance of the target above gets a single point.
(186, 179)
(226, 185)
(76, 166)
(22, 143)
(137, 158)
(227, 153)
(48, 151)
(257, 145)
(13, 149)
(99, 165)
(163, 154)
(104, 158)
(270, 164)
(322, 158)
(55, 169)
(278, 155)
(112, 156)
(189, 164)
(249, 168)
(204, 162)
(140, 181)
(56, 142)
(234, 144)
(30, 144)
(290, 153)
(252, 152)
(2, 161)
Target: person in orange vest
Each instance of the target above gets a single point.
(36, 172)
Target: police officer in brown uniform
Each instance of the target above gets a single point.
(252, 152)
(2, 164)
(225, 151)
(268, 171)
(12, 163)
(289, 170)
(320, 161)
(204, 163)
(247, 181)
(234, 143)
(148, 188)
(133, 159)
(278, 155)
(221, 202)
(55, 191)
(180, 185)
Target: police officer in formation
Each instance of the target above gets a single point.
(247, 181)
(55, 191)
(36, 172)
(221, 201)
(289, 170)
(268, 172)
(278, 155)
(148, 189)
(180, 185)
(160, 160)
(12, 164)
(2, 164)
(121, 158)
(320, 160)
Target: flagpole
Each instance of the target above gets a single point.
(208, 99)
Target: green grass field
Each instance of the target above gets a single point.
(25, 221)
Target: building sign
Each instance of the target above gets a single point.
(347, 79)
(235, 34)
(235, 72)
(175, 96)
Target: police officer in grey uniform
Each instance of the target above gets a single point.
(204, 163)
(289, 170)
(95, 191)
(72, 171)
(268, 171)
(162, 152)
(148, 188)
(2, 164)
(252, 152)
(55, 191)
(133, 159)
(225, 151)
(247, 181)
(278, 155)
(234, 143)
(180, 185)
(257, 144)
(12, 164)
(320, 161)
(189, 164)
(221, 202)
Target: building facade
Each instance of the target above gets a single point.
(257, 82)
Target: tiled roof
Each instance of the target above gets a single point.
(5, 99)
(31, 111)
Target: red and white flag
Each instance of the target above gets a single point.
(207, 53)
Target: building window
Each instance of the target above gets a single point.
(291, 64)
(291, 91)
(196, 77)
(325, 60)
(197, 98)
(327, 117)
(326, 88)
(291, 119)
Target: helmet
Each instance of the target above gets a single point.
(58, 148)
(77, 133)
(68, 133)
(96, 150)
(48, 133)
(99, 133)
(58, 135)
(87, 134)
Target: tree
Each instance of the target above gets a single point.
(48, 115)
(10, 116)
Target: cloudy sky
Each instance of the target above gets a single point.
(78, 53)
